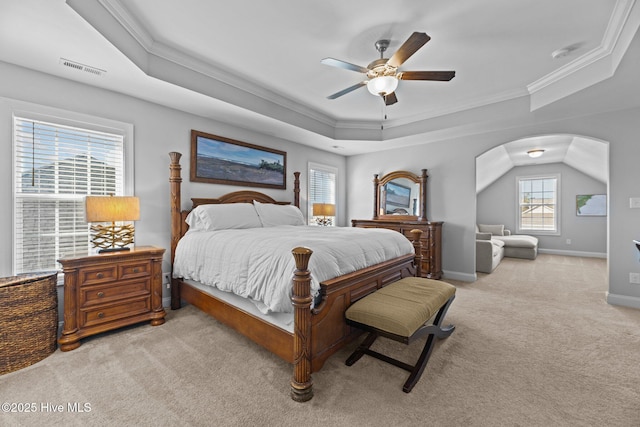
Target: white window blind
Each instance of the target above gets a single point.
(55, 167)
(322, 188)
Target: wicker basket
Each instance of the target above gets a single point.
(28, 319)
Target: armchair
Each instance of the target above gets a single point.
(489, 252)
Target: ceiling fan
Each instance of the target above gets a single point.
(383, 73)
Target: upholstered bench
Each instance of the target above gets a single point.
(402, 312)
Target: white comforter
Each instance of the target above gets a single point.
(257, 263)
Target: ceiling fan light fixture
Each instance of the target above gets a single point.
(535, 153)
(382, 85)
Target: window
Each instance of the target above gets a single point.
(322, 189)
(538, 206)
(55, 166)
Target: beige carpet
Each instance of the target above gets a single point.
(535, 345)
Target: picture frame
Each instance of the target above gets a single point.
(398, 195)
(591, 205)
(219, 160)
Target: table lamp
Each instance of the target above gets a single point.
(110, 238)
(324, 210)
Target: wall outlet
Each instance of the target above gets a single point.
(634, 278)
(568, 241)
(166, 279)
(634, 202)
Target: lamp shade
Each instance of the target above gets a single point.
(112, 208)
(383, 85)
(324, 209)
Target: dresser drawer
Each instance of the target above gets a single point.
(95, 275)
(430, 239)
(109, 313)
(134, 269)
(100, 294)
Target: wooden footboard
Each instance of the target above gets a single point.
(318, 332)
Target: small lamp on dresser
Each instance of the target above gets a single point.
(112, 209)
(324, 210)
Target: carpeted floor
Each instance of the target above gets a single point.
(535, 345)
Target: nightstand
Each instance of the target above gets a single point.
(110, 290)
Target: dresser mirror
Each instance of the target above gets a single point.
(400, 195)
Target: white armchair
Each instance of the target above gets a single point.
(489, 252)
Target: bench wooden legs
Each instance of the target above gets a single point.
(435, 330)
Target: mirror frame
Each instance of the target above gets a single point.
(380, 182)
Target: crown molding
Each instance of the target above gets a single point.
(244, 83)
(620, 20)
(166, 63)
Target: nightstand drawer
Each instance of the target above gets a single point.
(115, 311)
(134, 270)
(90, 295)
(90, 276)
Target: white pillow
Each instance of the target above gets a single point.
(272, 215)
(496, 230)
(223, 217)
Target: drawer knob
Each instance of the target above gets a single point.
(100, 294)
(99, 275)
(135, 270)
(100, 315)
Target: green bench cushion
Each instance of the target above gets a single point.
(403, 306)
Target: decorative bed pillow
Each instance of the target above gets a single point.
(223, 217)
(272, 215)
(496, 230)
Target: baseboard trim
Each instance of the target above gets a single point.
(572, 253)
(456, 275)
(623, 300)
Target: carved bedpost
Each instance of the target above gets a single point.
(296, 189)
(176, 219)
(423, 196)
(376, 181)
(416, 235)
(301, 383)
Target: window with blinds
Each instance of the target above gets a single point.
(322, 189)
(538, 204)
(55, 167)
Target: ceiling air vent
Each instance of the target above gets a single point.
(82, 67)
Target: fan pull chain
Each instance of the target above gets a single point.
(383, 112)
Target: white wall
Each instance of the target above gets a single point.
(496, 204)
(451, 164)
(451, 188)
(157, 131)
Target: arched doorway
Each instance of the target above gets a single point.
(582, 165)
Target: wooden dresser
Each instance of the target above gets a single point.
(110, 290)
(431, 240)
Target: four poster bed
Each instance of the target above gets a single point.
(317, 328)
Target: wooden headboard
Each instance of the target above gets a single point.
(178, 216)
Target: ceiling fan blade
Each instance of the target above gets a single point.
(390, 99)
(344, 65)
(410, 46)
(347, 90)
(443, 76)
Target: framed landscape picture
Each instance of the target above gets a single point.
(591, 205)
(219, 160)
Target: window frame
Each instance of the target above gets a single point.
(557, 206)
(29, 111)
(324, 168)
